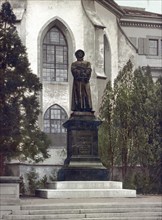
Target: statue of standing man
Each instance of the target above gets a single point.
(81, 95)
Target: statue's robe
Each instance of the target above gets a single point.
(81, 95)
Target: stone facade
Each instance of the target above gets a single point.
(96, 27)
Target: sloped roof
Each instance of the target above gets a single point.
(112, 6)
(128, 12)
(139, 12)
(138, 17)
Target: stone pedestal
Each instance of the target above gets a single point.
(82, 162)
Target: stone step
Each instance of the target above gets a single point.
(9, 201)
(124, 218)
(7, 205)
(89, 211)
(93, 206)
(156, 215)
(85, 185)
(107, 218)
(84, 193)
(84, 211)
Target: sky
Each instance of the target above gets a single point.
(149, 5)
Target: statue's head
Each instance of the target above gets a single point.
(79, 54)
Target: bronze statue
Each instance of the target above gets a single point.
(81, 95)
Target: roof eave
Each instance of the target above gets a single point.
(112, 6)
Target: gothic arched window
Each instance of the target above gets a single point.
(55, 56)
(54, 117)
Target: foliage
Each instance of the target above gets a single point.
(34, 182)
(131, 130)
(22, 186)
(107, 154)
(43, 182)
(19, 91)
(53, 176)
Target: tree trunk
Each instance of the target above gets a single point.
(2, 164)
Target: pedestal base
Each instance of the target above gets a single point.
(82, 173)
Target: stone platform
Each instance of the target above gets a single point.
(85, 189)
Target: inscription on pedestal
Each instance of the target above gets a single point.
(82, 144)
(85, 149)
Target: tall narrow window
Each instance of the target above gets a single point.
(107, 58)
(153, 47)
(54, 117)
(55, 56)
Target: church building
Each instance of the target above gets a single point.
(110, 35)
